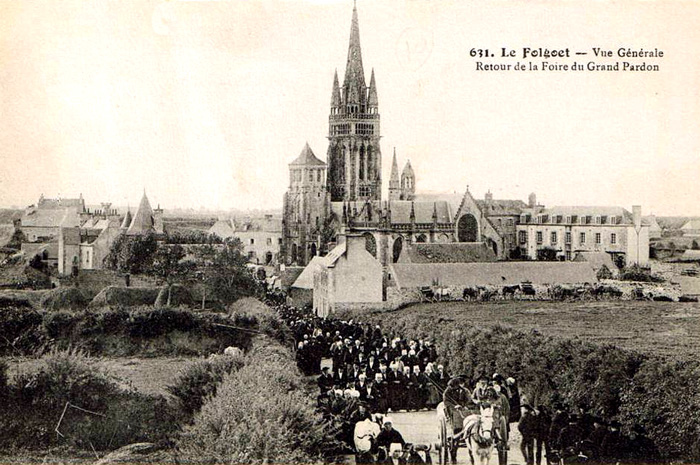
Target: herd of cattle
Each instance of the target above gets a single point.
(557, 292)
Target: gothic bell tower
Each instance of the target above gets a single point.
(354, 157)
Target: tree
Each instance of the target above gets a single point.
(547, 254)
(227, 275)
(168, 265)
(16, 240)
(132, 254)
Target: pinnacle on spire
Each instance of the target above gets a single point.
(354, 82)
(335, 97)
(372, 100)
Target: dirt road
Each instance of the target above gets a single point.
(421, 427)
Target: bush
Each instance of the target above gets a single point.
(239, 425)
(636, 273)
(59, 323)
(200, 379)
(19, 330)
(96, 411)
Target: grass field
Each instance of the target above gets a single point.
(146, 375)
(662, 328)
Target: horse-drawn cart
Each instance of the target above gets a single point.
(479, 431)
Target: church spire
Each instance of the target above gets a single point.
(335, 98)
(394, 183)
(354, 82)
(372, 100)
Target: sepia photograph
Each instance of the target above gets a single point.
(350, 232)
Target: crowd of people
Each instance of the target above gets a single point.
(374, 373)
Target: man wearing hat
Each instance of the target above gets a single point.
(455, 398)
(325, 381)
(389, 435)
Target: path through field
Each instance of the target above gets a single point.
(421, 428)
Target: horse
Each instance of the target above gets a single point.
(479, 435)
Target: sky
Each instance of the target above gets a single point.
(204, 103)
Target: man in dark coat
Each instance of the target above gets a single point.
(389, 435)
(571, 436)
(456, 400)
(528, 426)
(559, 420)
(325, 381)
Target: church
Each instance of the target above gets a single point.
(344, 194)
(328, 201)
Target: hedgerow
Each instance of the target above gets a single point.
(123, 331)
(639, 390)
(259, 415)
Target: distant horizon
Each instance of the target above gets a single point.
(246, 210)
(206, 103)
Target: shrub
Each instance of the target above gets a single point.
(239, 425)
(65, 298)
(200, 379)
(59, 323)
(636, 273)
(96, 411)
(19, 330)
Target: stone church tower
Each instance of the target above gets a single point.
(306, 208)
(354, 157)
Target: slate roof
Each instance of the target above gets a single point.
(143, 218)
(401, 211)
(501, 207)
(266, 224)
(589, 211)
(306, 278)
(416, 275)
(447, 253)
(307, 157)
(691, 224)
(51, 218)
(222, 228)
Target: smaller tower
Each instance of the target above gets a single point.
(306, 207)
(394, 182)
(532, 200)
(408, 182)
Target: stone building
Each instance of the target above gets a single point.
(561, 232)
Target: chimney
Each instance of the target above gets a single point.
(637, 216)
(489, 196)
(356, 243)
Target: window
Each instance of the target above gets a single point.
(582, 238)
(568, 238)
(252, 241)
(603, 220)
(318, 175)
(597, 220)
(589, 219)
(553, 237)
(568, 255)
(269, 241)
(559, 219)
(598, 238)
(574, 219)
(539, 237)
(568, 219)
(510, 221)
(613, 238)
(522, 235)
